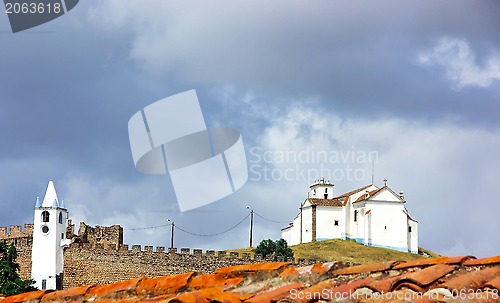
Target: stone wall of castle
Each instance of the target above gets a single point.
(23, 240)
(87, 260)
(84, 264)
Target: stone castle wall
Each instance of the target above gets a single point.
(23, 240)
(87, 260)
(84, 264)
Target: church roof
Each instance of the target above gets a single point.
(325, 202)
(353, 191)
(370, 194)
(50, 199)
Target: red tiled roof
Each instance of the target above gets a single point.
(445, 279)
(325, 202)
(353, 191)
(371, 194)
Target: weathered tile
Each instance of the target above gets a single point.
(164, 285)
(433, 261)
(493, 284)
(261, 269)
(116, 290)
(212, 280)
(329, 290)
(213, 294)
(471, 280)
(25, 297)
(276, 294)
(418, 280)
(72, 294)
(483, 261)
(368, 268)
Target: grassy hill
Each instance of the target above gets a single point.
(349, 251)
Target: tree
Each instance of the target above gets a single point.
(274, 248)
(10, 282)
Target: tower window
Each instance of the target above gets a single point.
(45, 216)
(60, 218)
(409, 229)
(355, 216)
(336, 223)
(326, 190)
(44, 284)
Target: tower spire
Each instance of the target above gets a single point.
(50, 199)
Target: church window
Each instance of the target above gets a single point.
(45, 216)
(326, 190)
(44, 284)
(60, 218)
(336, 223)
(409, 229)
(355, 216)
(62, 235)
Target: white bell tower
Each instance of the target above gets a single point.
(49, 239)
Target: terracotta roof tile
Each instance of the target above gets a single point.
(328, 289)
(325, 202)
(259, 268)
(428, 280)
(354, 191)
(164, 285)
(116, 290)
(315, 269)
(417, 280)
(67, 294)
(211, 294)
(484, 261)
(471, 280)
(276, 294)
(423, 278)
(369, 268)
(26, 297)
(201, 281)
(434, 261)
(493, 284)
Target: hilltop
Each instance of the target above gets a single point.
(349, 251)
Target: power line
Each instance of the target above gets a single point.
(150, 227)
(270, 219)
(212, 235)
(207, 235)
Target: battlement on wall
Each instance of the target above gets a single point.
(186, 253)
(100, 235)
(15, 231)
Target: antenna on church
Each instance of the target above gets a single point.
(373, 169)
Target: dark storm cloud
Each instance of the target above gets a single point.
(353, 56)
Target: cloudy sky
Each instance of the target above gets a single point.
(413, 87)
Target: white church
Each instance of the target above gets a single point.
(49, 240)
(371, 215)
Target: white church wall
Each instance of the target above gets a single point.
(388, 225)
(413, 236)
(325, 222)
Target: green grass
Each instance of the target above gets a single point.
(348, 251)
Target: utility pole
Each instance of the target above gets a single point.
(251, 225)
(172, 234)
